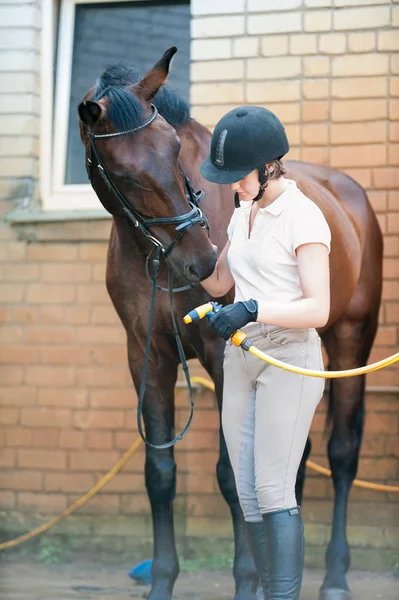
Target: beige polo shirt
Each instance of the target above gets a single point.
(264, 266)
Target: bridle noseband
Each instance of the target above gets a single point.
(183, 223)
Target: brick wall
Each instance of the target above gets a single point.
(67, 409)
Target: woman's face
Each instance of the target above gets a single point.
(247, 188)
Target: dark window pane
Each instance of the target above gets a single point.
(135, 32)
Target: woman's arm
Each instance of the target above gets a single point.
(313, 309)
(221, 281)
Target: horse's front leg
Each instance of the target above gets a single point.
(245, 575)
(160, 470)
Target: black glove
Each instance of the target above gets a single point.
(232, 317)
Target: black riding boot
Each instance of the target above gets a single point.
(285, 553)
(257, 543)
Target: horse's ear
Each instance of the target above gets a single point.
(148, 86)
(89, 112)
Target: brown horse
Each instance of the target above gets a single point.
(140, 178)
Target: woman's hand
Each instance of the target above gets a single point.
(232, 317)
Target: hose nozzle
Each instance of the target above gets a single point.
(201, 311)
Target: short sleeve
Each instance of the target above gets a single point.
(231, 225)
(309, 225)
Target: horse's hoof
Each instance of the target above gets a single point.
(335, 594)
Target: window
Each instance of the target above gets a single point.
(92, 35)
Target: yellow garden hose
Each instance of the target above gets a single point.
(207, 383)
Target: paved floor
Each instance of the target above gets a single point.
(84, 581)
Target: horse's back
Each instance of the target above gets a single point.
(353, 225)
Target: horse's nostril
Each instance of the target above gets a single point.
(192, 273)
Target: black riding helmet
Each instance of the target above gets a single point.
(244, 139)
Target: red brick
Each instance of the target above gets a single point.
(135, 504)
(42, 459)
(11, 292)
(392, 312)
(393, 154)
(124, 439)
(381, 423)
(391, 245)
(200, 440)
(18, 437)
(100, 440)
(382, 468)
(378, 199)
(67, 273)
(20, 272)
(98, 272)
(394, 132)
(73, 398)
(393, 223)
(102, 504)
(12, 252)
(113, 398)
(38, 293)
(391, 268)
(45, 438)
(358, 156)
(71, 438)
(50, 376)
(25, 314)
(362, 176)
(358, 110)
(315, 111)
(47, 503)
(391, 289)
(66, 355)
(7, 499)
(104, 314)
(392, 447)
(93, 252)
(100, 377)
(352, 133)
(94, 460)
(393, 200)
(9, 416)
(110, 355)
(92, 293)
(100, 335)
(314, 135)
(68, 482)
(11, 334)
(204, 419)
(318, 155)
(49, 335)
(58, 252)
(17, 354)
(21, 480)
(7, 457)
(387, 177)
(78, 315)
(98, 419)
(386, 336)
(126, 482)
(46, 417)
(50, 314)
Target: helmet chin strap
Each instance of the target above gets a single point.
(264, 176)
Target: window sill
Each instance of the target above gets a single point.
(24, 216)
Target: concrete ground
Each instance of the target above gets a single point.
(22, 579)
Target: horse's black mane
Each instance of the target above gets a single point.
(125, 110)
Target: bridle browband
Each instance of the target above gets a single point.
(183, 223)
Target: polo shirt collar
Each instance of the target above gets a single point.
(280, 203)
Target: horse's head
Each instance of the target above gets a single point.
(132, 159)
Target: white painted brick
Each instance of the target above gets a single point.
(359, 87)
(245, 46)
(273, 91)
(318, 3)
(358, 2)
(217, 27)
(360, 64)
(332, 43)
(17, 39)
(303, 44)
(210, 115)
(273, 68)
(315, 89)
(395, 64)
(388, 40)
(19, 82)
(213, 7)
(19, 125)
(19, 16)
(19, 103)
(19, 60)
(274, 45)
(217, 70)
(269, 5)
(362, 42)
(209, 93)
(275, 23)
(317, 20)
(362, 18)
(316, 66)
(395, 17)
(18, 167)
(17, 146)
(210, 49)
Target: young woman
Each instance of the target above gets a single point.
(277, 256)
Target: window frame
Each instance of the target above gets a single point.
(56, 70)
